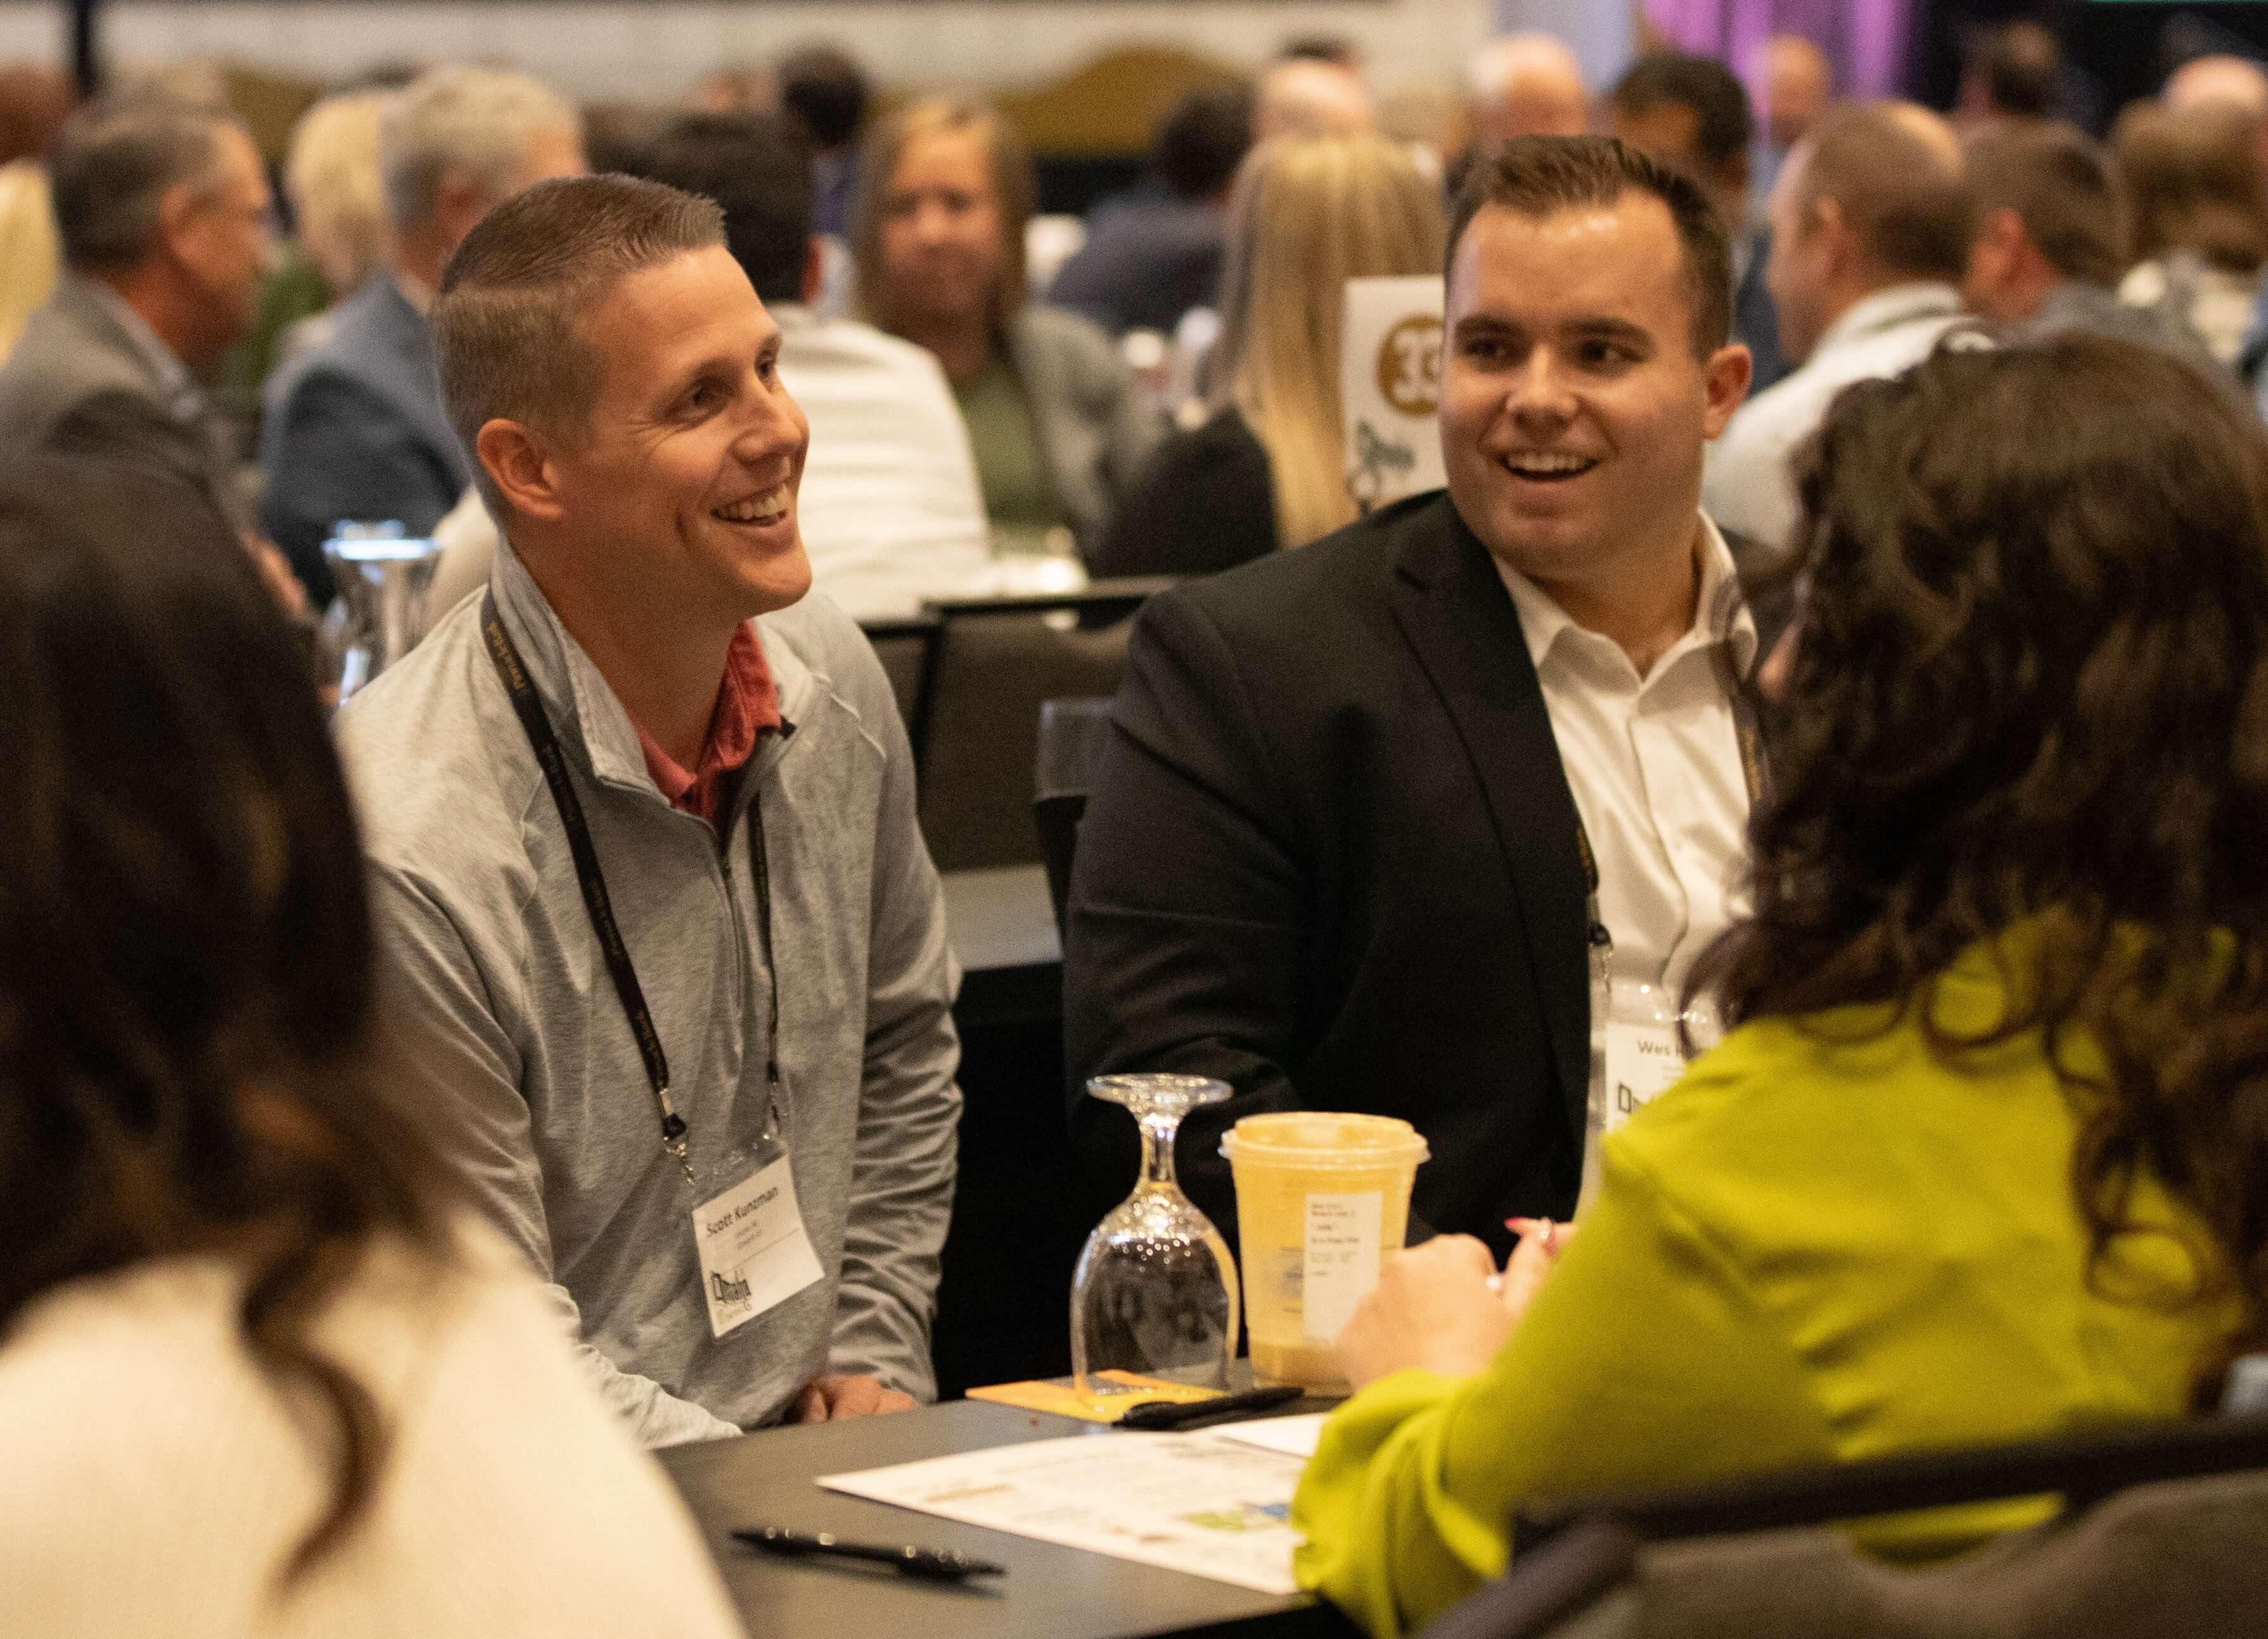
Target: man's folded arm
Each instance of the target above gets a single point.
(1190, 902)
(453, 1065)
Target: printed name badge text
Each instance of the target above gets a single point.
(754, 1254)
(1644, 1062)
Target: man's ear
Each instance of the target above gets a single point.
(1836, 238)
(1724, 380)
(177, 213)
(518, 464)
(814, 270)
(458, 204)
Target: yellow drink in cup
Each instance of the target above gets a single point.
(1320, 1199)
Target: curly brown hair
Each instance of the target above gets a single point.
(185, 959)
(2030, 684)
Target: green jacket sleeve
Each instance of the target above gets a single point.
(1643, 1361)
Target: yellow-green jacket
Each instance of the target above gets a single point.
(1807, 1251)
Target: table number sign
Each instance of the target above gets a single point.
(1391, 387)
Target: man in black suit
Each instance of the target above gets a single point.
(1332, 852)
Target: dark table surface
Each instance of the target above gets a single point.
(1049, 1592)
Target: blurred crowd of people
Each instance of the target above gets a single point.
(1848, 605)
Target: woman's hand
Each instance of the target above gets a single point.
(1435, 1308)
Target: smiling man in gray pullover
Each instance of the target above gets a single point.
(668, 955)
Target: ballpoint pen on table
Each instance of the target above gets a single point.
(932, 1564)
(1155, 1415)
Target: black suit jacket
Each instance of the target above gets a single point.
(1329, 857)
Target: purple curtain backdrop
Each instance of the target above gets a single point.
(1865, 39)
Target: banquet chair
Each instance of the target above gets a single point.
(995, 661)
(1070, 739)
(904, 647)
(2163, 1534)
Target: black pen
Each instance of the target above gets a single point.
(1154, 1415)
(933, 1564)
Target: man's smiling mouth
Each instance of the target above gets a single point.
(770, 507)
(1547, 465)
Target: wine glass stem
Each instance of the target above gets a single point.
(1158, 1150)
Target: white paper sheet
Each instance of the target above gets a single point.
(1294, 1436)
(1194, 1503)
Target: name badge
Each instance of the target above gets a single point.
(1644, 1062)
(754, 1254)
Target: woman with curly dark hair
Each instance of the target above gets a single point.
(256, 1377)
(1985, 1157)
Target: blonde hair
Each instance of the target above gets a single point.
(1306, 217)
(31, 261)
(1010, 166)
(331, 177)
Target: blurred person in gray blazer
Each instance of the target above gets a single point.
(161, 210)
(354, 427)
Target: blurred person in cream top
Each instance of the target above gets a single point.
(157, 1478)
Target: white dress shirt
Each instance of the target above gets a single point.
(1745, 485)
(890, 507)
(1654, 764)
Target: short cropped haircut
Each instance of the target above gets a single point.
(113, 163)
(479, 121)
(504, 323)
(1724, 126)
(2021, 66)
(1905, 199)
(1540, 176)
(757, 167)
(2061, 183)
(1202, 139)
(826, 89)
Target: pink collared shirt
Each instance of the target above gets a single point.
(748, 706)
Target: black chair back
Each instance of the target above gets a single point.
(906, 647)
(994, 664)
(1070, 739)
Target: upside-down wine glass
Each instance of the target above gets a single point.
(1155, 1291)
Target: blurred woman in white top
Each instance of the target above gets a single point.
(256, 1377)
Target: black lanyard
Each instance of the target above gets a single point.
(513, 671)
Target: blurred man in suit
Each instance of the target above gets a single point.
(1155, 253)
(1691, 112)
(355, 428)
(1333, 854)
(1870, 241)
(2050, 242)
(162, 209)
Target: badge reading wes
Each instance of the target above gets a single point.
(754, 1254)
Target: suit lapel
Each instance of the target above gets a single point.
(1452, 607)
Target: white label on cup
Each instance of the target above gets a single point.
(1341, 1260)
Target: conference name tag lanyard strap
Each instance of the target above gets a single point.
(754, 1251)
(1638, 1051)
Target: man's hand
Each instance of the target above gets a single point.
(1435, 1308)
(275, 574)
(831, 1400)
